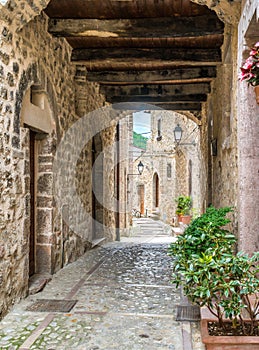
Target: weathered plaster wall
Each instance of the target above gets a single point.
(247, 135)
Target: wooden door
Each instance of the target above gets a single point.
(141, 189)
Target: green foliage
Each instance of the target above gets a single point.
(139, 140)
(211, 274)
(184, 204)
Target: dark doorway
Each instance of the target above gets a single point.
(155, 191)
(97, 188)
(32, 204)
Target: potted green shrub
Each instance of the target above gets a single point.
(213, 275)
(183, 209)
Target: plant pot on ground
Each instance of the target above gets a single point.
(212, 275)
(183, 209)
(223, 342)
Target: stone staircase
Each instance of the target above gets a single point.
(149, 226)
(178, 230)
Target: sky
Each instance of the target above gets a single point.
(141, 123)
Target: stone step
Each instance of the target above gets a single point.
(98, 241)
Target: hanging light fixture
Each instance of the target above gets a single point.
(178, 132)
(140, 168)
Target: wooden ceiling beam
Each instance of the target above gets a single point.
(157, 99)
(160, 82)
(204, 41)
(181, 106)
(113, 9)
(137, 65)
(131, 55)
(175, 106)
(155, 90)
(164, 27)
(170, 76)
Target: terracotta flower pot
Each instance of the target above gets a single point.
(186, 219)
(256, 88)
(180, 218)
(227, 342)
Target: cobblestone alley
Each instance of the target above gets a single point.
(124, 301)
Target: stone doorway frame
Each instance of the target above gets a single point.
(37, 116)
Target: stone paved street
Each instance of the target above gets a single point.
(125, 301)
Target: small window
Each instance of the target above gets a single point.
(169, 170)
(159, 136)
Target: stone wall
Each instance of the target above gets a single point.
(32, 60)
(222, 131)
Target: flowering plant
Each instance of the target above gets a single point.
(250, 69)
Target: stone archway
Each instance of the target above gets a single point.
(20, 13)
(227, 11)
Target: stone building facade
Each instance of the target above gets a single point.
(170, 170)
(42, 95)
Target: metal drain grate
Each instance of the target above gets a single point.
(52, 305)
(188, 313)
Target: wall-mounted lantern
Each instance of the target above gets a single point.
(140, 168)
(178, 132)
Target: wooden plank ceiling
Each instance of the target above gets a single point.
(162, 52)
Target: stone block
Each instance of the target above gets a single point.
(45, 184)
(44, 202)
(44, 221)
(43, 258)
(16, 142)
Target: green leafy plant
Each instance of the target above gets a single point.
(184, 204)
(211, 274)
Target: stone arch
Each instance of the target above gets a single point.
(227, 11)
(19, 13)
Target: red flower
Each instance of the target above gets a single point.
(250, 69)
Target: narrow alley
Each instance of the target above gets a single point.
(122, 297)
